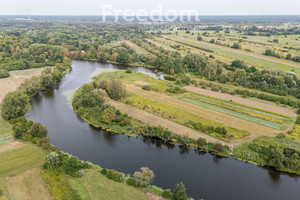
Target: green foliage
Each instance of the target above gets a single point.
(143, 177)
(4, 73)
(129, 70)
(236, 46)
(71, 165)
(114, 175)
(115, 89)
(278, 152)
(180, 192)
(52, 161)
(109, 115)
(58, 185)
(147, 87)
(38, 130)
(132, 182)
(15, 104)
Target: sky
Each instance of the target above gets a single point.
(203, 7)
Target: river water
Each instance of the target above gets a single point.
(205, 176)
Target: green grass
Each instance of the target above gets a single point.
(5, 127)
(137, 78)
(20, 159)
(233, 113)
(180, 116)
(93, 185)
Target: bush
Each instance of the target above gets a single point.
(147, 87)
(167, 194)
(132, 182)
(104, 171)
(180, 192)
(114, 175)
(129, 70)
(143, 177)
(71, 165)
(4, 73)
(52, 161)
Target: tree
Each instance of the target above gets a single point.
(123, 58)
(15, 104)
(116, 89)
(38, 130)
(180, 192)
(52, 161)
(143, 177)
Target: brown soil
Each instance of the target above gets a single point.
(10, 145)
(28, 186)
(241, 100)
(16, 78)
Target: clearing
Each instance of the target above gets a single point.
(93, 186)
(16, 78)
(28, 186)
(137, 48)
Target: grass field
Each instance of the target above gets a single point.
(20, 159)
(5, 127)
(94, 186)
(16, 78)
(259, 61)
(28, 185)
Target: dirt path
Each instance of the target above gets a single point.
(156, 120)
(16, 78)
(28, 186)
(253, 128)
(10, 145)
(248, 102)
(271, 59)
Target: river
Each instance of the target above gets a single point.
(205, 176)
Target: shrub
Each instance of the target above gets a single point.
(71, 165)
(180, 192)
(132, 182)
(147, 87)
(4, 73)
(104, 171)
(129, 70)
(38, 130)
(52, 161)
(167, 194)
(114, 175)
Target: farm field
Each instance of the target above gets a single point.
(19, 159)
(250, 58)
(153, 119)
(240, 100)
(95, 186)
(16, 78)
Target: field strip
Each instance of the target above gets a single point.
(222, 48)
(28, 185)
(248, 102)
(240, 106)
(233, 113)
(251, 127)
(11, 145)
(138, 49)
(16, 78)
(159, 121)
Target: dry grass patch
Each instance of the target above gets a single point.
(28, 186)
